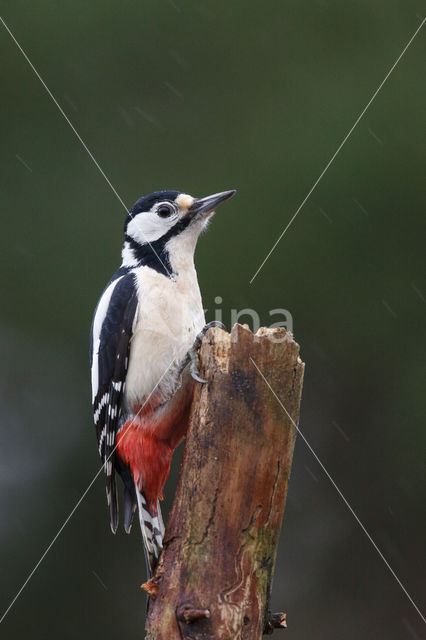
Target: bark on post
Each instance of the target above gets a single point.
(215, 574)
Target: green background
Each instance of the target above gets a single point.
(202, 97)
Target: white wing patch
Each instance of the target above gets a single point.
(98, 321)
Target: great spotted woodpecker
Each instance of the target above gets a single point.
(144, 326)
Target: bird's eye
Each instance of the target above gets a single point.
(164, 211)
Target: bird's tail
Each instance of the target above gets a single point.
(152, 528)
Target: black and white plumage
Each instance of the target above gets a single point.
(113, 328)
(146, 320)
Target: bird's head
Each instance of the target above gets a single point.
(162, 228)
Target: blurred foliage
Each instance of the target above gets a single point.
(206, 96)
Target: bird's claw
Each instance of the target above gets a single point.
(196, 377)
(193, 352)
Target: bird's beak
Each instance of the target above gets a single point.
(204, 206)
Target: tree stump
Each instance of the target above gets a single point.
(214, 578)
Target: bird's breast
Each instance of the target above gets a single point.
(169, 317)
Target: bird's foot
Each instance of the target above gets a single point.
(192, 355)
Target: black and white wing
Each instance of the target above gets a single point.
(112, 329)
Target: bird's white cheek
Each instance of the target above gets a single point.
(148, 227)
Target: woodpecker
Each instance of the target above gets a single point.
(145, 332)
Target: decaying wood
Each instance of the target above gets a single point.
(215, 574)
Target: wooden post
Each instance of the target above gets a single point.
(214, 578)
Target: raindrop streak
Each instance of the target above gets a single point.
(175, 7)
(419, 293)
(311, 473)
(410, 629)
(149, 118)
(173, 89)
(388, 308)
(340, 430)
(23, 162)
(326, 216)
(357, 202)
(99, 580)
(375, 137)
(70, 102)
(127, 119)
(176, 56)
